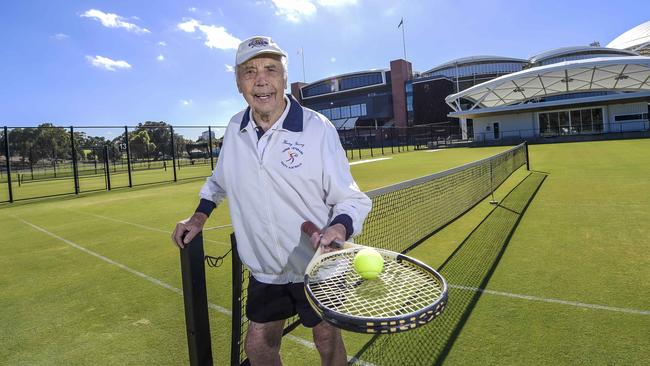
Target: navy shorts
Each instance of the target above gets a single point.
(268, 302)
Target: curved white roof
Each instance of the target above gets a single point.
(631, 73)
(475, 59)
(634, 39)
(565, 51)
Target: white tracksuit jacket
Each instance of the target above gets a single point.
(299, 173)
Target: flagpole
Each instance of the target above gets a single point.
(403, 38)
(302, 54)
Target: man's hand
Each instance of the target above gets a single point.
(191, 226)
(334, 232)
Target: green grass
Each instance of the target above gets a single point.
(583, 238)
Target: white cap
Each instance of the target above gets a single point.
(254, 46)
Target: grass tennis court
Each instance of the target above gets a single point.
(564, 263)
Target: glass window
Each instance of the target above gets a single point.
(327, 113)
(336, 113)
(586, 120)
(597, 119)
(575, 121)
(553, 122)
(363, 110)
(565, 128)
(355, 110)
(345, 112)
(544, 127)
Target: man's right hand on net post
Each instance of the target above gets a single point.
(187, 229)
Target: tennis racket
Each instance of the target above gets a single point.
(407, 294)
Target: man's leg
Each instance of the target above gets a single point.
(330, 345)
(263, 343)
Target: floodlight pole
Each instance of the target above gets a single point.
(210, 148)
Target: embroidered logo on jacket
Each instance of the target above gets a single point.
(292, 154)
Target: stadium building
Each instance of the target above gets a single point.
(565, 91)
(636, 39)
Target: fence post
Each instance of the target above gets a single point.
(210, 148)
(195, 298)
(171, 128)
(128, 155)
(107, 167)
(356, 132)
(75, 172)
(371, 141)
(11, 193)
(381, 140)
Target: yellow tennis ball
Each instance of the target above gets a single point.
(368, 263)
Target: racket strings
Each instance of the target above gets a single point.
(402, 287)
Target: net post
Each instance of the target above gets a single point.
(11, 192)
(237, 282)
(171, 128)
(195, 298)
(527, 156)
(75, 171)
(128, 154)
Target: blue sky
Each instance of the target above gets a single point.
(89, 63)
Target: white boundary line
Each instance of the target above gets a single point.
(553, 301)
(368, 161)
(149, 227)
(155, 281)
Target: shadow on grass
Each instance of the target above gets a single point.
(468, 268)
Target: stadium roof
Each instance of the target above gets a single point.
(473, 60)
(565, 51)
(345, 75)
(631, 73)
(634, 39)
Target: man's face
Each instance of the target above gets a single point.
(261, 80)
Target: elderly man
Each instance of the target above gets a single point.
(280, 165)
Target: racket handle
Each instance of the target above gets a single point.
(309, 228)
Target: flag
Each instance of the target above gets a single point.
(400, 23)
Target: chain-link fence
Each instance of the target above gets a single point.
(47, 161)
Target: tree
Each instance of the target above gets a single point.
(141, 145)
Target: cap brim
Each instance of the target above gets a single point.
(261, 52)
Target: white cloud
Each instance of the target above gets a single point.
(294, 10)
(297, 10)
(189, 25)
(111, 20)
(336, 3)
(108, 64)
(160, 58)
(229, 68)
(162, 43)
(186, 102)
(60, 36)
(215, 37)
(333, 59)
(191, 10)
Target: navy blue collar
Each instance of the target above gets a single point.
(293, 121)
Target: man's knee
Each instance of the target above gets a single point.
(263, 339)
(327, 338)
